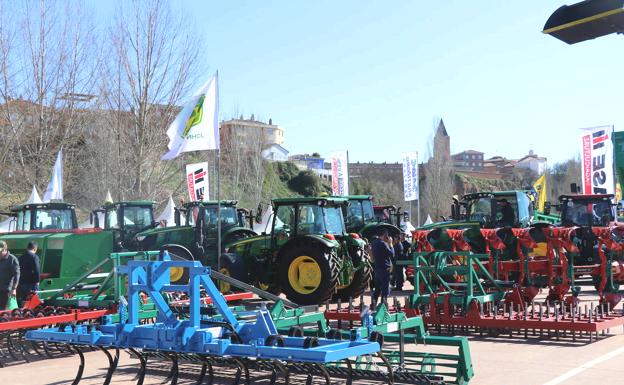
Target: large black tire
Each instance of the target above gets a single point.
(179, 276)
(323, 286)
(232, 265)
(361, 278)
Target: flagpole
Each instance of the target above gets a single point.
(218, 155)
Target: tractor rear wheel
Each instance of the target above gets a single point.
(308, 274)
(361, 278)
(232, 265)
(179, 275)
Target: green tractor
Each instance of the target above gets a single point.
(309, 255)
(66, 252)
(198, 238)
(125, 219)
(361, 217)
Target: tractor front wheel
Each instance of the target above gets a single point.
(308, 274)
(179, 275)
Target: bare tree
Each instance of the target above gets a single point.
(47, 70)
(154, 61)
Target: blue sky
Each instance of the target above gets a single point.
(372, 76)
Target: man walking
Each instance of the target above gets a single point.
(9, 275)
(382, 251)
(29, 272)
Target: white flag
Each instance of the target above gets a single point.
(55, 187)
(410, 176)
(340, 173)
(197, 181)
(197, 126)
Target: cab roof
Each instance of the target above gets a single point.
(585, 197)
(211, 203)
(357, 197)
(493, 193)
(292, 201)
(49, 205)
(129, 203)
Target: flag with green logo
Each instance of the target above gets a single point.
(196, 127)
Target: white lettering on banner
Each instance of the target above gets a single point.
(197, 181)
(597, 161)
(340, 173)
(410, 176)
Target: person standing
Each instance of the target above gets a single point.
(29, 272)
(397, 272)
(9, 275)
(399, 279)
(382, 251)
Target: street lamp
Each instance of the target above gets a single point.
(586, 20)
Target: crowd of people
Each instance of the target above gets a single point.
(18, 276)
(386, 252)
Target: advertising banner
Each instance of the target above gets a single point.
(597, 160)
(197, 181)
(340, 173)
(410, 176)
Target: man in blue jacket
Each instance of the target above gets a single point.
(383, 254)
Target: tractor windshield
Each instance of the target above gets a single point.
(47, 219)
(314, 219)
(479, 210)
(138, 217)
(587, 213)
(358, 213)
(229, 216)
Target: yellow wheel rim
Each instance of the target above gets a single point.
(224, 287)
(304, 275)
(176, 273)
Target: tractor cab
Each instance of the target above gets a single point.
(210, 210)
(44, 216)
(586, 210)
(126, 219)
(495, 209)
(360, 216)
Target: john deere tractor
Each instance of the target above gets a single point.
(360, 217)
(197, 238)
(309, 256)
(66, 252)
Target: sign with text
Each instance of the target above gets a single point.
(410, 176)
(340, 173)
(597, 160)
(197, 181)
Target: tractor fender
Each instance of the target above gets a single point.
(303, 239)
(180, 247)
(247, 232)
(372, 229)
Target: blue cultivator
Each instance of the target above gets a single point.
(216, 340)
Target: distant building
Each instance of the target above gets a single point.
(442, 143)
(250, 131)
(533, 162)
(469, 159)
(275, 152)
(308, 162)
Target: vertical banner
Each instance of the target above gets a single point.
(197, 181)
(410, 176)
(597, 160)
(340, 172)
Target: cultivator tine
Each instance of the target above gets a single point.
(112, 363)
(140, 377)
(241, 368)
(315, 369)
(206, 368)
(175, 369)
(82, 364)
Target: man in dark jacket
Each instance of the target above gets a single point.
(9, 275)
(398, 269)
(29, 277)
(507, 213)
(381, 248)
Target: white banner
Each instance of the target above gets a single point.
(340, 173)
(410, 176)
(197, 181)
(197, 126)
(597, 160)
(55, 187)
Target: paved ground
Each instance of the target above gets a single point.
(507, 361)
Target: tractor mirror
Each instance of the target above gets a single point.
(546, 208)
(176, 216)
(405, 216)
(95, 219)
(91, 218)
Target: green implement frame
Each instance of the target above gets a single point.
(433, 272)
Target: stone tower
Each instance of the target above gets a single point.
(442, 143)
